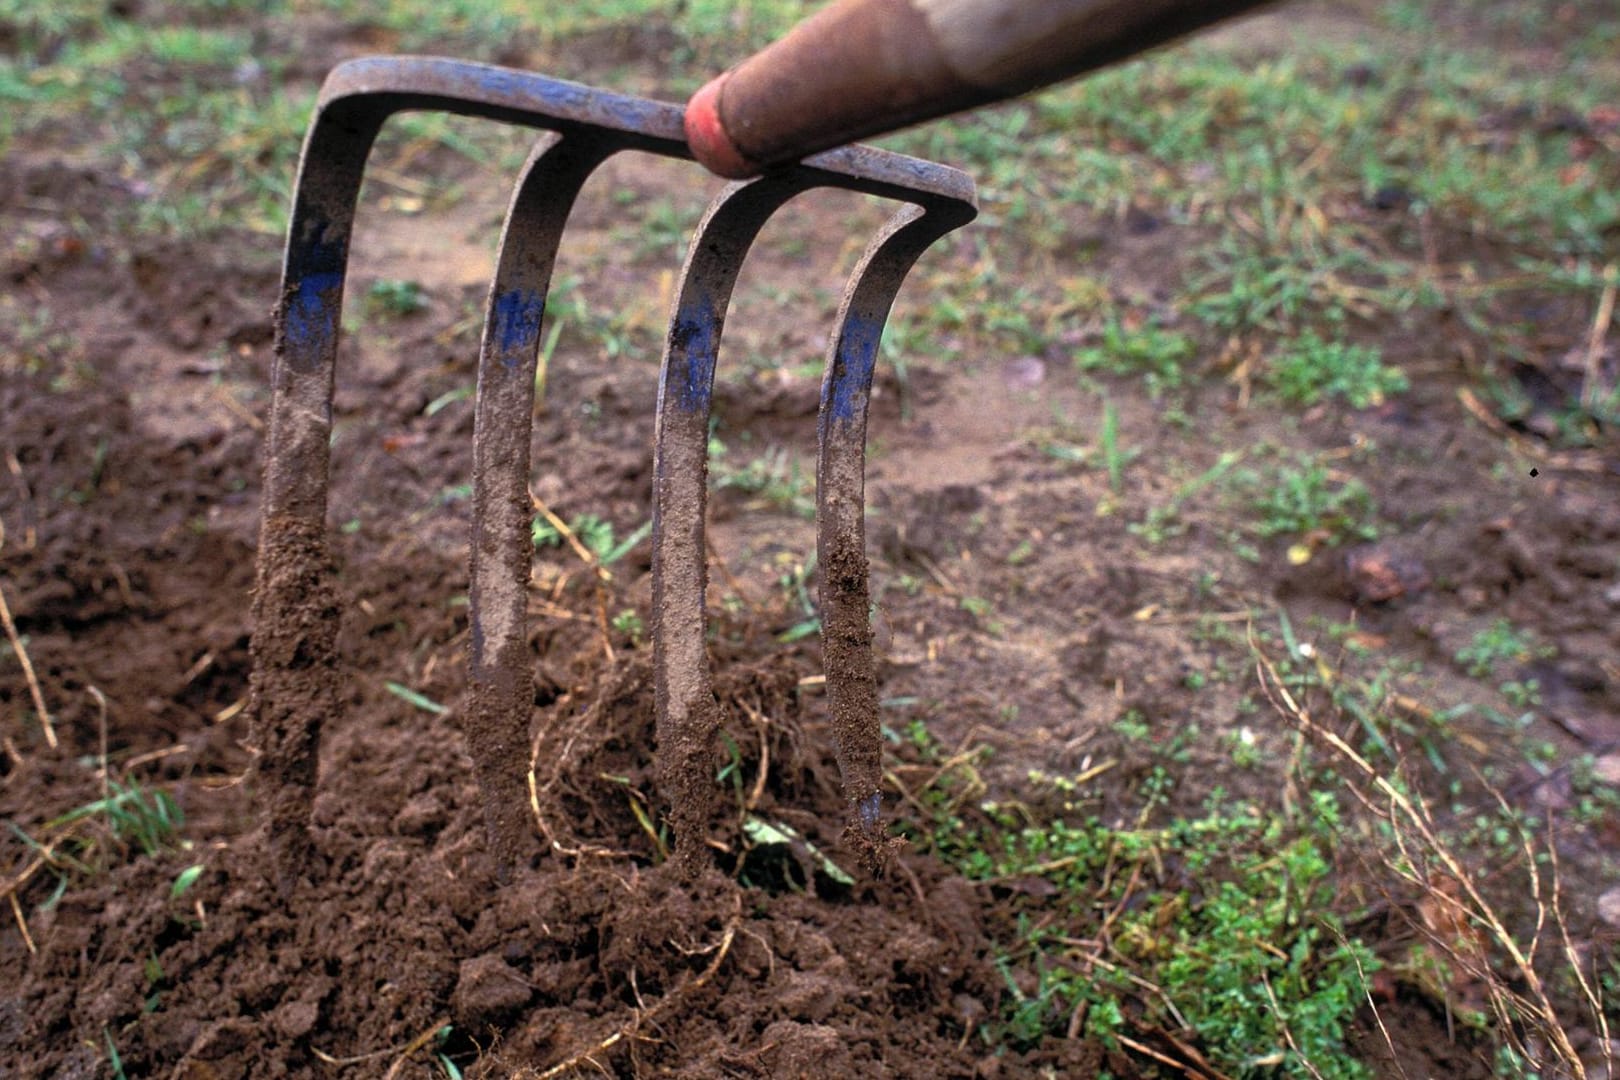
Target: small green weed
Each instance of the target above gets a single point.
(594, 533)
(416, 698)
(1132, 726)
(1246, 288)
(1307, 499)
(1108, 441)
(1310, 369)
(664, 229)
(147, 818)
(1238, 946)
(115, 1061)
(441, 1053)
(84, 841)
(185, 880)
(977, 606)
(1158, 354)
(629, 623)
(1499, 643)
(774, 478)
(395, 299)
(794, 582)
(1161, 523)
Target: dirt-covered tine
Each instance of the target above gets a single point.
(687, 714)
(500, 674)
(846, 632)
(297, 604)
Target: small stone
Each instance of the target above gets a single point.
(970, 1009)
(1609, 907)
(1607, 769)
(295, 1019)
(1024, 373)
(1378, 573)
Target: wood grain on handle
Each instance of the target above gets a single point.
(858, 68)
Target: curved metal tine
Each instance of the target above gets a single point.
(846, 633)
(501, 679)
(687, 714)
(296, 606)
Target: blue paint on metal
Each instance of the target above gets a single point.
(516, 317)
(561, 100)
(870, 810)
(694, 342)
(504, 82)
(312, 312)
(852, 375)
(315, 272)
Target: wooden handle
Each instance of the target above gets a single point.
(858, 68)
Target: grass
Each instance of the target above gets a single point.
(1310, 369)
(1225, 931)
(1468, 945)
(395, 299)
(147, 819)
(775, 480)
(1308, 499)
(1326, 205)
(1158, 355)
(1217, 928)
(594, 534)
(1497, 644)
(82, 843)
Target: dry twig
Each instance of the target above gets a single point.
(403, 1052)
(22, 923)
(1591, 390)
(27, 664)
(1411, 822)
(648, 1015)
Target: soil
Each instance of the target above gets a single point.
(129, 503)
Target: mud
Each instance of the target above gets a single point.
(295, 683)
(341, 938)
(595, 953)
(847, 650)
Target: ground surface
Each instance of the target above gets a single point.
(1129, 586)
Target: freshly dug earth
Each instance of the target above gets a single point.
(593, 952)
(129, 500)
(128, 565)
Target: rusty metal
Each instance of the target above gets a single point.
(296, 607)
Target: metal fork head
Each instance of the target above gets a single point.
(296, 606)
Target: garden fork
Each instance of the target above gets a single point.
(297, 670)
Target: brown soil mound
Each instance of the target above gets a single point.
(128, 563)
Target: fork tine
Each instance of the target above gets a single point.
(841, 520)
(687, 714)
(501, 698)
(297, 607)
(295, 602)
